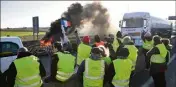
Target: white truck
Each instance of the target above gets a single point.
(8, 51)
(135, 23)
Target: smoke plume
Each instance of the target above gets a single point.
(89, 19)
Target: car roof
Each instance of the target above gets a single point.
(12, 39)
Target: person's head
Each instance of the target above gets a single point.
(58, 46)
(86, 40)
(148, 36)
(96, 53)
(23, 49)
(111, 36)
(97, 38)
(157, 40)
(127, 40)
(119, 34)
(165, 41)
(123, 53)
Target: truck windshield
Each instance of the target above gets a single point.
(8, 49)
(133, 23)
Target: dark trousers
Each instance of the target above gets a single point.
(147, 60)
(159, 79)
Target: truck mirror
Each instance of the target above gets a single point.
(120, 23)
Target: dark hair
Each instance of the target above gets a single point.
(97, 38)
(119, 34)
(96, 50)
(157, 39)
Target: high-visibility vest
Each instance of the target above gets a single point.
(115, 43)
(94, 73)
(160, 58)
(147, 44)
(99, 43)
(83, 53)
(133, 53)
(123, 68)
(27, 72)
(107, 60)
(65, 66)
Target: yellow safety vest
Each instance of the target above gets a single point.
(83, 53)
(133, 53)
(160, 58)
(116, 43)
(27, 72)
(65, 67)
(123, 68)
(94, 73)
(147, 44)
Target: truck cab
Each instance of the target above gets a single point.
(8, 52)
(136, 23)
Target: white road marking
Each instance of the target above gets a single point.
(150, 80)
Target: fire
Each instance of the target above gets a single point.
(44, 43)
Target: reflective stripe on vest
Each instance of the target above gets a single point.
(83, 53)
(147, 44)
(123, 68)
(63, 76)
(25, 78)
(65, 66)
(160, 58)
(95, 68)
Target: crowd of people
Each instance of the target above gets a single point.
(110, 62)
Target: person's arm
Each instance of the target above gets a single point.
(106, 74)
(42, 69)
(11, 75)
(54, 66)
(77, 37)
(167, 57)
(110, 74)
(112, 52)
(154, 50)
(80, 71)
(142, 36)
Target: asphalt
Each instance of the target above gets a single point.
(140, 79)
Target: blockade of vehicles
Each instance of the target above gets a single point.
(135, 23)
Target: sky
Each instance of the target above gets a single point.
(20, 13)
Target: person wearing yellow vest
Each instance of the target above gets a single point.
(120, 70)
(133, 53)
(116, 41)
(83, 51)
(158, 58)
(62, 67)
(25, 71)
(147, 45)
(92, 71)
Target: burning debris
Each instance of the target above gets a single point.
(89, 18)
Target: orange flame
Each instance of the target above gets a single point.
(44, 43)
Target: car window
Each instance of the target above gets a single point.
(8, 49)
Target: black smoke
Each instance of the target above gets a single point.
(93, 13)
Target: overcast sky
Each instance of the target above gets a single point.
(20, 13)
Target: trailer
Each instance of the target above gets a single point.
(135, 23)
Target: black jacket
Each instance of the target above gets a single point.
(12, 72)
(81, 70)
(54, 68)
(157, 67)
